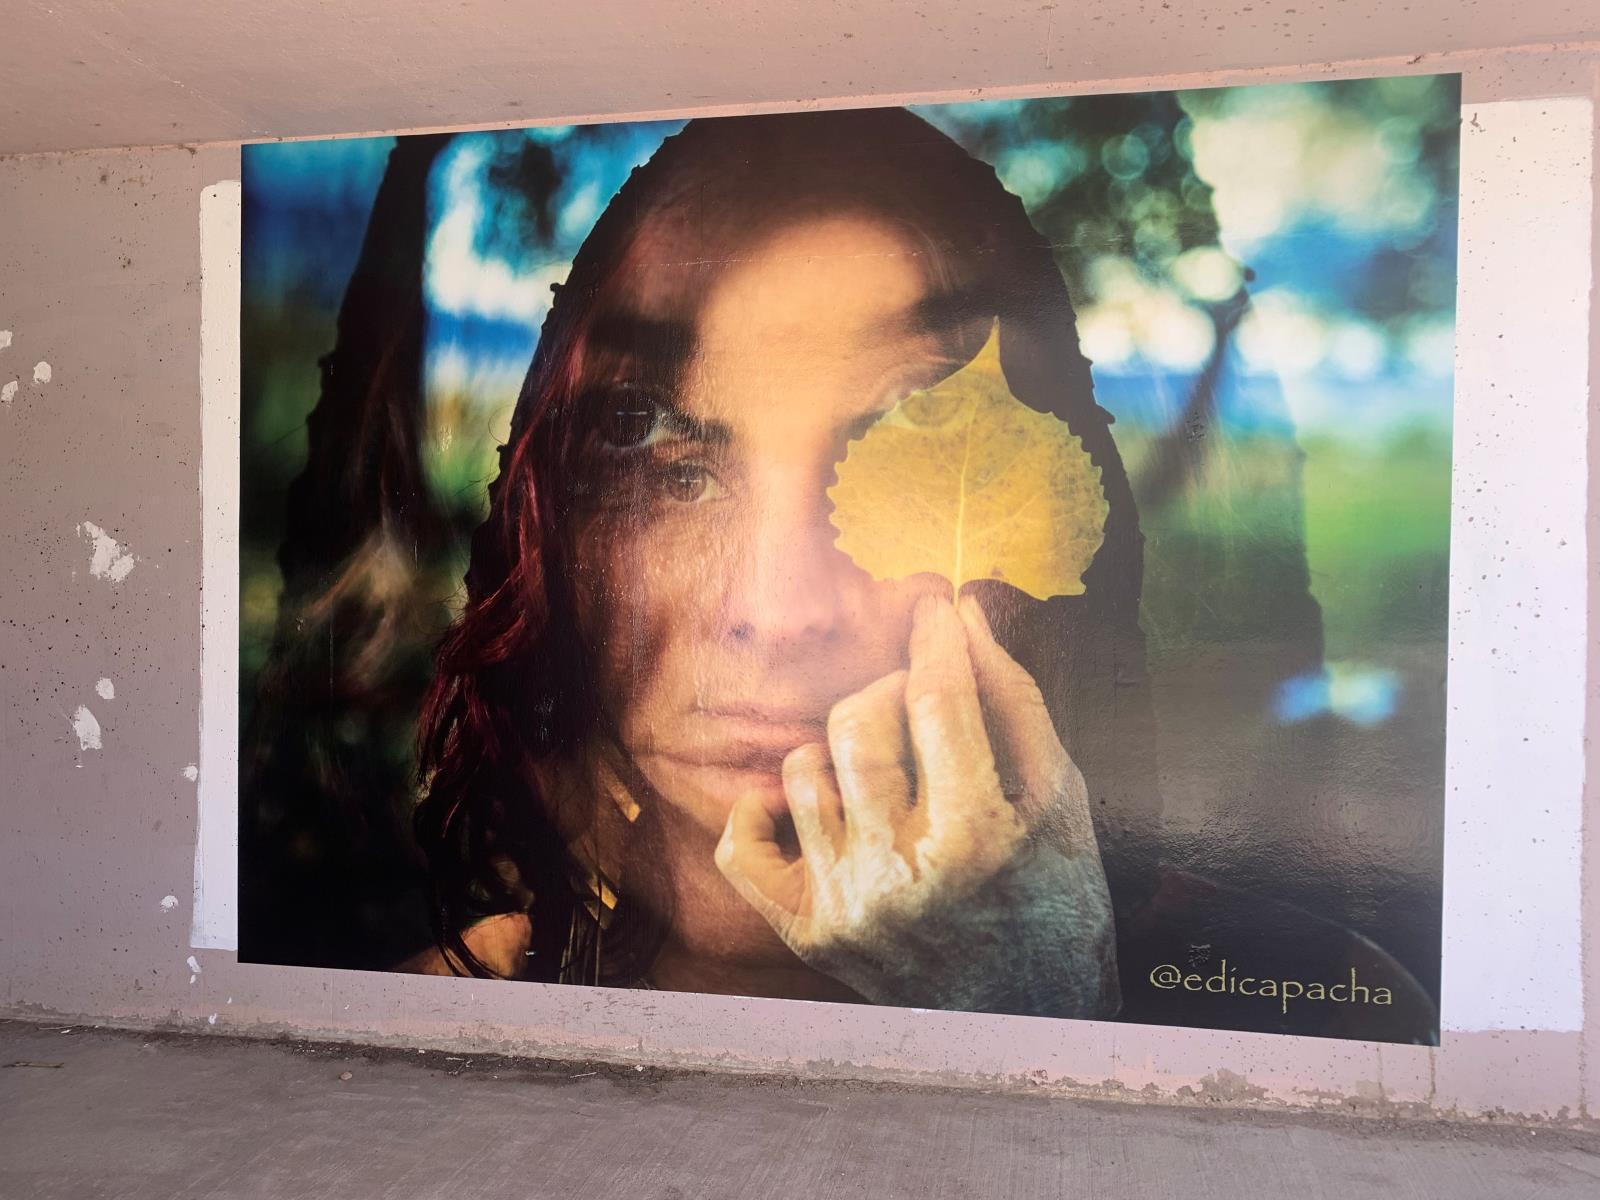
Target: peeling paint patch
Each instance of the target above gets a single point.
(212, 1019)
(110, 559)
(5, 338)
(41, 372)
(87, 728)
(105, 689)
(194, 964)
(8, 392)
(191, 772)
(168, 903)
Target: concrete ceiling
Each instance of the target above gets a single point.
(77, 74)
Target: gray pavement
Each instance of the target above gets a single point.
(129, 1116)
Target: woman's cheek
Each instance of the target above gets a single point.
(653, 570)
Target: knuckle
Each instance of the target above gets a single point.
(887, 695)
(880, 775)
(850, 722)
(1024, 691)
(865, 713)
(928, 694)
(868, 758)
(996, 825)
(1065, 791)
(1071, 783)
(1009, 832)
(805, 761)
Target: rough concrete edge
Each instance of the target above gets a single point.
(1394, 64)
(1222, 1090)
(1589, 946)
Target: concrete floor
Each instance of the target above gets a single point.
(178, 1118)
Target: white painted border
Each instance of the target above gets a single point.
(1518, 570)
(215, 921)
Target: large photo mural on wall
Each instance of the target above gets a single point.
(988, 556)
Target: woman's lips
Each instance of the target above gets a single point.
(743, 744)
(741, 751)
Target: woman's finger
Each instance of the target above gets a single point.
(815, 806)
(750, 858)
(871, 751)
(1024, 733)
(955, 764)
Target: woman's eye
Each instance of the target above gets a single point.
(687, 482)
(641, 436)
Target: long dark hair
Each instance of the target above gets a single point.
(513, 686)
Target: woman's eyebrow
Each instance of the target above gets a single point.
(692, 428)
(657, 348)
(662, 342)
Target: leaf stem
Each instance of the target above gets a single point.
(961, 505)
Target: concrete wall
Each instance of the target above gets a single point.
(102, 539)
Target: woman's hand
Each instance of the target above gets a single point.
(947, 857)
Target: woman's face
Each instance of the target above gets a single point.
(726, 621)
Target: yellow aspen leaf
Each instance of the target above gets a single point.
(964, 480)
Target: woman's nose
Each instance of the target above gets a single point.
(791, 585)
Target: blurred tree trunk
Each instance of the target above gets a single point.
(326, 768)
